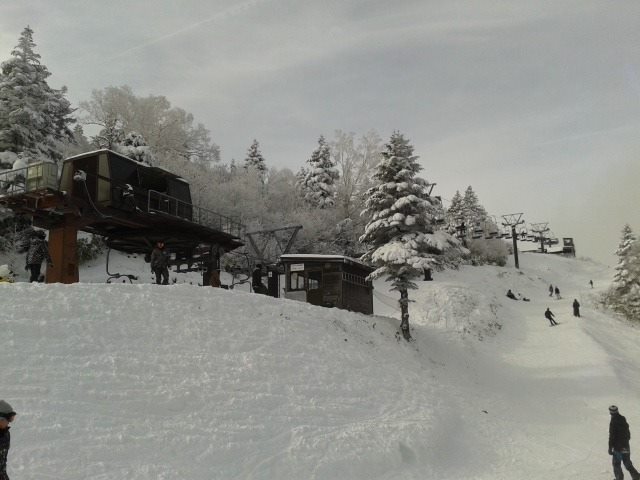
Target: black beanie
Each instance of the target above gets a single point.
(6, 410)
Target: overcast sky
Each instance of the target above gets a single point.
(535, 104)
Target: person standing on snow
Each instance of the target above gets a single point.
(7, 415)
(551, 290)
(557, 290)
(256, 280)
(619, 436)
(37, 253)
(160, 263)
(549, 316)
(576, 308)
(591, 283)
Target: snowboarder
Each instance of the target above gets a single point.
(557, 290)
(551, 290)
(511, 295)
(37, 253)
(549, 316)
(619, 437)
(576, 308)
(160, 263)
(7, 415)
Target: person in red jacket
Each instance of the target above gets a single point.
(619, 436)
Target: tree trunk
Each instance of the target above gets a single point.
(404, 309)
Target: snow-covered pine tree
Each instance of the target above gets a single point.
(255, 159)
(455, 214)
(34, 118)
(400, 233)
(624, 296)
(135, 147)
(318, 185)
(473, 212)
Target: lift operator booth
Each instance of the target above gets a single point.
(328, 281)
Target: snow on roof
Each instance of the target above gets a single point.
(312, 256)
(106, 150)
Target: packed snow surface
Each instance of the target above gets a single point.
(138, 381)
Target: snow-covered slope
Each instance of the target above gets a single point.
(150, 382)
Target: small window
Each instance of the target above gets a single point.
(296, 281)
(315, 280)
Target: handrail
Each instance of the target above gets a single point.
(37, 176)
(158, 202)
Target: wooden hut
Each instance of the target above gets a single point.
(328, 281)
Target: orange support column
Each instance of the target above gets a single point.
(63, 242)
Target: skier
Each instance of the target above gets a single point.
(551, 290)
(37, 253)
(619, 437)
(591, 283)
(7, 415)
(549, 315)
(557, 290)
(160, 263)
(576, 308)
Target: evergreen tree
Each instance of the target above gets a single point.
(318, 184)
(255, 159)
(455, 214)
(401, 233)
(624, 296)
(34, 118)
(472, 211)
(135, 147)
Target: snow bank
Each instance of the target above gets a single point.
(162, 382)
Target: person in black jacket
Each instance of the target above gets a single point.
(37, 253)
(256, 280)
(160, 263)
(576, 308)
(7, 416)
(549, 316)
(619, 436)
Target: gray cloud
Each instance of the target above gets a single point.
(535, 104)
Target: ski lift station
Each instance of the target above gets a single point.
(328, 281)
(130, 204)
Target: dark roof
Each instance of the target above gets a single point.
(158, 170)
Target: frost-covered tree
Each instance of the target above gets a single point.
(455, 215)
(135, 147)
(255, 160)
(625, 269)
(624, 296)
(472, 211)
(169, 131)
(401, 233)
(34, 118)
(318, 185)
(355, 161)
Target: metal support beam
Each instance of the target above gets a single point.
(512, 220)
